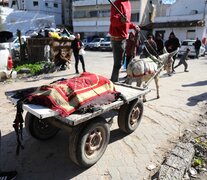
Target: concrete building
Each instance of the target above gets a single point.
(92, 18)
(186, 18)
(67, 14)
(48, 7)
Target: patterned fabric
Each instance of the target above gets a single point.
(68, 95)
(141, 67)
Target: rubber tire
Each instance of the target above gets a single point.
(32, 125)
(125, 113)
(78, 153)
(73, 142)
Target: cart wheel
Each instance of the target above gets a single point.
(73, 141)
(90, 143)
(130, 116)
(38, 128)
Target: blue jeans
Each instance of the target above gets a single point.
(118, 54)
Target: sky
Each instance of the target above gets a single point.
(168, 1)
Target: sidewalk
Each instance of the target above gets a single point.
(127, 156)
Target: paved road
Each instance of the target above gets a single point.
(182, 98)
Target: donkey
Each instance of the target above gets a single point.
(142, 70)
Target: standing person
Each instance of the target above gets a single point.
(160, 44)
(118, 30)
(171, 45)
(131, 47)
(76, 46)
(150, 47)
(6, 175)
(183, 60)
(197, 46)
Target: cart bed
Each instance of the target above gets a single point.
(130, 93)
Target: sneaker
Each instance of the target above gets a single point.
(11, 175)
(186, 71)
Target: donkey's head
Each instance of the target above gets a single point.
(167, 59)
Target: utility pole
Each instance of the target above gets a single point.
(1, 23)
(97, 17)
(204, 11)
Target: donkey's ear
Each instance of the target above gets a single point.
(174, 52)
(164, 50)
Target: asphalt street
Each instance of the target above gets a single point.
(183, 97)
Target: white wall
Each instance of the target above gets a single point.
(181, 33)
(182, 10)
(182, 7)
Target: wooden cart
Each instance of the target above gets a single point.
(89, 132)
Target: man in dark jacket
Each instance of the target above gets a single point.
(160, 44)
(171, 45)
(76, 46)
(150, 47)
(118, 30)
(197, 46)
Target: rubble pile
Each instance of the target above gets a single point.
(188, 159)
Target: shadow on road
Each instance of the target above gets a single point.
(116, 135)
(39, 159)
(192, 101)
(43, 159)
(199, 83)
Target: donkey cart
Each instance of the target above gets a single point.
(90, 131)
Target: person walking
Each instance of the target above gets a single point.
(118, 30)
(171, 45)
(150, 47)
(160, 44)
(183, 60)
(76, 45)
(197, 46)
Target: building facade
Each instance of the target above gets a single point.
(92, 18)
(67, 14)
(48, 7)
(186, 18)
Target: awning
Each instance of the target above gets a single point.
(174, 24)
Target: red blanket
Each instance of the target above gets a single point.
(67, 96)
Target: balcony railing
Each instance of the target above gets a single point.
(89, 3)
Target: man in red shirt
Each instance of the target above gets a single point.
(119, 32)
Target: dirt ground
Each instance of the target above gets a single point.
(183, 98)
